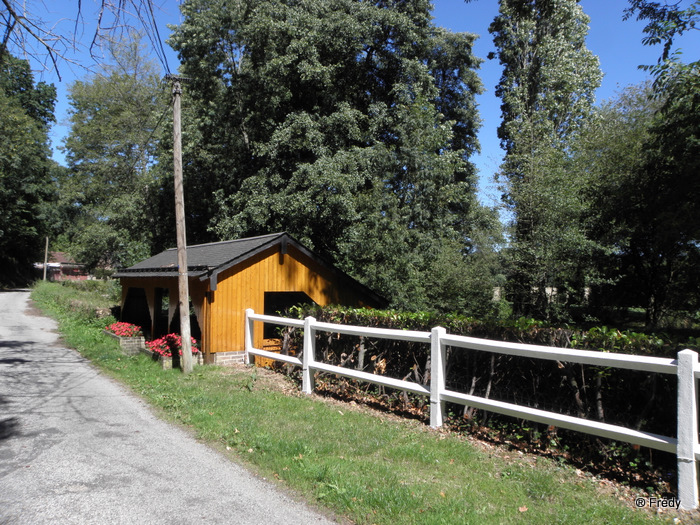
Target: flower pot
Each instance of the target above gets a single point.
(129, 345)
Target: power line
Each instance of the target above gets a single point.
(161, 56)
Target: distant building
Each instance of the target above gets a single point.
(62, 267)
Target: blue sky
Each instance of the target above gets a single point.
(617, 43)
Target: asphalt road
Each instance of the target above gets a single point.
(77, 448)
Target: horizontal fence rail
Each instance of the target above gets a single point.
(587, 357)
(685, 367)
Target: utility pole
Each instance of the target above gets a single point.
(182, 274)
(46, 257)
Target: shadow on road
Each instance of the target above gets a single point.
(12, 360)
(12, 344)
(9, 427)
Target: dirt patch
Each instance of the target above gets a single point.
(264, 379)
(32, 310)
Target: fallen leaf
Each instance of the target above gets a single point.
(523, 509)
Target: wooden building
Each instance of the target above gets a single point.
(266, 273)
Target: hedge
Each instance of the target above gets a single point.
(633, 399)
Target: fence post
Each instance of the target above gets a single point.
(437, 376)
(687, 430)
(307, 358)
(249, 334)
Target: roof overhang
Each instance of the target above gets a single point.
(211, 273)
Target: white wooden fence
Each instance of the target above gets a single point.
(685, 445)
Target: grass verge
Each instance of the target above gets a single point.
(367, 468)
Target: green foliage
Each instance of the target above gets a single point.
(665, 252)
(521, 330)
(627, 342)
(347, 124)
(607, 156)
(616, 396)
(638, 156)
(26, 109)
(547, 90)
(107, 203)
(90, 302)
(665, 23)
(36, 99)
(666, 248)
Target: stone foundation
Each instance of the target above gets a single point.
(228, 358)
(129, 345)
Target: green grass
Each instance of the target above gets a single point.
(369, 468)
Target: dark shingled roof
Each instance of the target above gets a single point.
(206, 261)
(203, 259)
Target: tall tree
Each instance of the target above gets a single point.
(26, 111)
(608, 155)
(663, 256)
(346, 123)
(110, 152)
(547, 91)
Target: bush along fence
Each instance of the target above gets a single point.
(443, 347)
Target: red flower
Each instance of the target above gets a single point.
(125, 330)
(168, 343)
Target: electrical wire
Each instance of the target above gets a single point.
(159, 49)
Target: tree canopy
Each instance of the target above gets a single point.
(348, 124)
(547, 92)
(106, 191)
(352, 125)
(26, 111)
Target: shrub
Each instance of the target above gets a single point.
(616, 396)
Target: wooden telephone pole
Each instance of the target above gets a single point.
(182, 274)
(46, 257)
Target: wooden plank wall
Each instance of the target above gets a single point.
(244, 286)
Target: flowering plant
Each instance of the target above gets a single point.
(125, 330)
(166, 344)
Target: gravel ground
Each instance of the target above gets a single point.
(77, 448)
